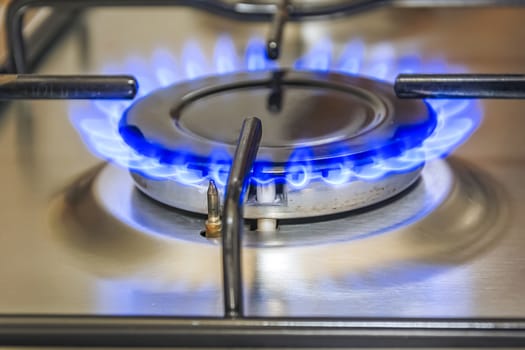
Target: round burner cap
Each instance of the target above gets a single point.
(312, 117)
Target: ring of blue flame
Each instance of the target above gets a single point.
(98, 122)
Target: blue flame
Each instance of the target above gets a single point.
(98, 122)
(319, 58)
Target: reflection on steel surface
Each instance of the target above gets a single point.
(145, 265)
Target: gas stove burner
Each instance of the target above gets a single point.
(323, 136)
(116, 193)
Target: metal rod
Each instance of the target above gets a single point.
(129, 331)
(491, 86)
(457, 3)
(41, 37)
(45, 87)
(243, 160)
(247, 11)
(273, 44)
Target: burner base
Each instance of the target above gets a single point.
(283, 201)
(115, 191)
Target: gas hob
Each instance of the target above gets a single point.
(436, 248)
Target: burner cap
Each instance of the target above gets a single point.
(316, 125)
(326, 115)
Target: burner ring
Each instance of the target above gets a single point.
(318, 199)
(320, 115)
(320, 129)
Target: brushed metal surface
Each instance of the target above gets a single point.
(466, 259)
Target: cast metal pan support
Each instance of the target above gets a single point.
(277, 12)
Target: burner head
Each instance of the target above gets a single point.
(318, 129)
(329, 115)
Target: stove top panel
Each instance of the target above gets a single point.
(63, 252)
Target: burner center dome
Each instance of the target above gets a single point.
(292, 116)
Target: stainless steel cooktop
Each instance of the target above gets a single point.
(67, 247)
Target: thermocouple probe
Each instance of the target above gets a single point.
(475, 86)
(76, 87)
